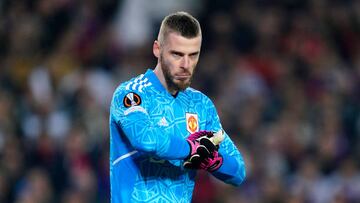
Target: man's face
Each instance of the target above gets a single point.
(178, 58)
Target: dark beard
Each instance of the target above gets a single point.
(170, 81)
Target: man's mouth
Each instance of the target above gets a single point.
(184, 76)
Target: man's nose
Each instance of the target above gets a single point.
(185, 63)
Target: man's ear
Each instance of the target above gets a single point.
(156, 49)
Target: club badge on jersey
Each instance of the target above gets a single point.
(192, 122)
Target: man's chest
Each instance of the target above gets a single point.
(177, 116)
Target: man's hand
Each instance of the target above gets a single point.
(212, 163)
(203, 152)
(200, 148)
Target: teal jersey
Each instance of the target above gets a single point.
(148, 131)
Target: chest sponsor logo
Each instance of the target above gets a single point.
(192, 122)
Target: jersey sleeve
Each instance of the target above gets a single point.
(233, 169)
(129, 109)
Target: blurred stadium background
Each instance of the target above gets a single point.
(284, 75)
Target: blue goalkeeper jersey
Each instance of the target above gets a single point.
(148, 131)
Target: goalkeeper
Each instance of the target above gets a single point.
(162, 131)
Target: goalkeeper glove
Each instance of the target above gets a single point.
(201, 151)
(212, 163)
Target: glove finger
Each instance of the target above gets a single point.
(208, 144)
(203, 152)
(188, 164)
(193, 162)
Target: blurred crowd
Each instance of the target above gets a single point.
(284, 76)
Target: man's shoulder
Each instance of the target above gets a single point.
(135, 84)
(131, 92)
(133, 88)
(194, 93)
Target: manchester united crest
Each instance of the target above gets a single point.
(192, 122)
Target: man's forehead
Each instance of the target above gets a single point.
(175, 40)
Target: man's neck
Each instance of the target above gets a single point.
(160, 75)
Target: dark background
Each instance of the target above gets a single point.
(283, 74)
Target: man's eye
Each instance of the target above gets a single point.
(194, 55)
(177, 55)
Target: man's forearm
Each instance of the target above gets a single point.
(232, 171)
(152, 139)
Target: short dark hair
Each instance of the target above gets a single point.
(180, 22)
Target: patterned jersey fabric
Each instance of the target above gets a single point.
(148, 131)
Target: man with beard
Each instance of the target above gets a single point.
(162, 131)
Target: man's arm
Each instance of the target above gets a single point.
(132, 116)
(232, 170)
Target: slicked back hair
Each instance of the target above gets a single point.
(180, 22)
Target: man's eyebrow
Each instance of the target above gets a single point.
(194, 53)
(177, 52)
(182, 54)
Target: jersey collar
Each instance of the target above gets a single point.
(154, 80)
(157, 84)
